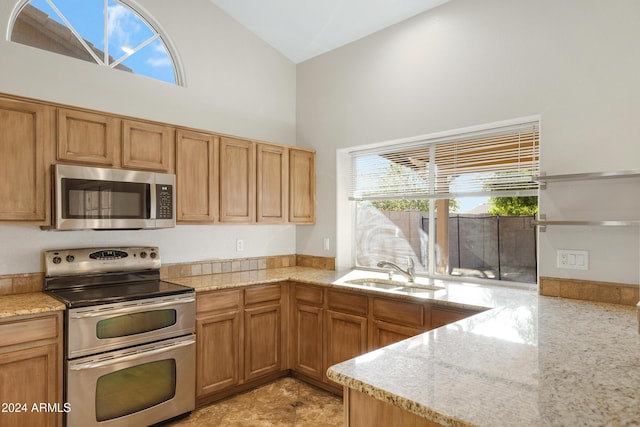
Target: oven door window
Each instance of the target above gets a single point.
(135, 389)
(92, 199)
(135, 323)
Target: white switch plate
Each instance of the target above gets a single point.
(326, 244)
(573, 259)
(239, 245)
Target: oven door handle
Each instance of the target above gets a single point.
(126, 310)
(130, 357)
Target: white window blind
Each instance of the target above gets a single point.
(499, 161)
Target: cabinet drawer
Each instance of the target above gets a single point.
(26, 330)
(347, 302)
(217, 300)
(404, 313)
(308, 294)
(261, 294)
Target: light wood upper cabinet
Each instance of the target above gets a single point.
(26, 141)
(302, 186)
(237, 180)
(272, 172)
(147, 146)
(88, 138)
(196, 177)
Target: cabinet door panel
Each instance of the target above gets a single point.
(196, 177)
(384, 333)
(346, 337)
(30, 376)
(272, 180)
(302, 186)
(25, 141)
(147, 146)
(85, 137)
(237, 180)
(307, 340)
(262, 341)
(218, 341)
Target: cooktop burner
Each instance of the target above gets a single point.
(95, 276)
(96, 295)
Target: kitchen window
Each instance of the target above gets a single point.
(111, 33)
(460, 205)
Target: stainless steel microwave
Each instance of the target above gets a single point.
(112, 199)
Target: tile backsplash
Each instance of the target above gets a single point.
(34, 282)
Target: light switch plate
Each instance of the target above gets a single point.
(573, 259)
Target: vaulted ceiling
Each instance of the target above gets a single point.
(302, 29)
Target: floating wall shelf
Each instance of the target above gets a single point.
(542, 222)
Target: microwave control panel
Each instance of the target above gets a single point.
(164, 198)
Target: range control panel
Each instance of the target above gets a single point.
(67, 262)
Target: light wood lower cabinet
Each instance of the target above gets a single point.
(218, 351)
(31, 370)
(443, 315)
(362, 410)
(385, 333)
(307, 326)
(239, 336)
(251, 335)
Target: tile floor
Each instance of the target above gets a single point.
(286, 402)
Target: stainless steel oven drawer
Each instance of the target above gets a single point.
(101, 328)
(138, 386)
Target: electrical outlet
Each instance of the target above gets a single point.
(325, 244)
(573, 259)
(239, 245)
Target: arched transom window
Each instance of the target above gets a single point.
(111, 33)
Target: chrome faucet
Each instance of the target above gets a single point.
(409, 273)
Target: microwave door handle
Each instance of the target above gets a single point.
(131, 357)
(128, 310)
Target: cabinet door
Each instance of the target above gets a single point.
(302, 186)
(346, 337)
(85, 137)
(196, 177)
(307, 340)
(218, 352)
(25, 144)
(441, 315)
(147, 146)
(262, 338)
(237, 180)
(272, 181)
(29, 376)
(384, 333)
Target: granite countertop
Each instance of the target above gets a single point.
(528, 361)
(28, 303)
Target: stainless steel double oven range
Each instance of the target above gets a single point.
(129, 336)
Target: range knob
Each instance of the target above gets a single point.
(143, 254)
(70, 258)
(57, 260)
(153, 255)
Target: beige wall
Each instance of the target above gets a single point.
(236, 84)
(572, 63)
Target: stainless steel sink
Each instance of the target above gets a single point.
(420, 289)
(393, 285)
(376, 283)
